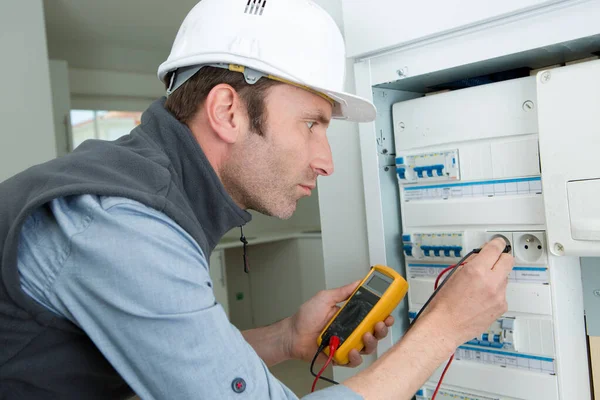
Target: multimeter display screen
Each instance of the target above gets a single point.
(353, 313)
(379, 284)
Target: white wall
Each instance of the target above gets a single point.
(113, 90)
(312, 273)
(334, 8)
(283, 275)
(106, 57)
(26, 120)
(240, 309)
(106, 76)
(342, 204)
(61, 104)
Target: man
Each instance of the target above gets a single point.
(105, 284)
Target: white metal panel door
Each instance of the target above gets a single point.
(569, 123)
(376, 25)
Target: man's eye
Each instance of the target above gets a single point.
(310, 124)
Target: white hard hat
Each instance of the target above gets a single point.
(294, 41)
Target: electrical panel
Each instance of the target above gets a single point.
(468, 168)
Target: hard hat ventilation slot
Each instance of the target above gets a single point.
(255, 7)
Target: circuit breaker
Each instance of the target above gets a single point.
(428, 167)
(468, 167)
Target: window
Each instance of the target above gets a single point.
(103, 125)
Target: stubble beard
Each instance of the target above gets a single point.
(249, 190)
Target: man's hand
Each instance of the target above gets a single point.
(475, 296)
(309, 321)
(465, 307)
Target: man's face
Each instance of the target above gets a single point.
(270, 173)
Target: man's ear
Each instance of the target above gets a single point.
(224, 112)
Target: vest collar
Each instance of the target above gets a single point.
(214, 208)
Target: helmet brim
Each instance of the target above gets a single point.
(350, 107)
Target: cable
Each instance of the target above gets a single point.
(333, 345)
(442, 377)
(245, 255)
(321, 348)
(334, 342)
(461, 262)
(437, 280)
(436, 289)
(435, 286)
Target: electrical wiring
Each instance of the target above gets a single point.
(334, 343)
(435, 286)
(436, 290)
(312, 364)
(442, 377)
(437, 280)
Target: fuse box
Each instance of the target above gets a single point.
(465, 181)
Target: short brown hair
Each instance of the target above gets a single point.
(184, 102)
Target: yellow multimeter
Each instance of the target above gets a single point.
(372, 301)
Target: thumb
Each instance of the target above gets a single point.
(340, 294)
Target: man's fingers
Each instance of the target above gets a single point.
(354, 358)
(381, 330)
(470, 258)
(504, 265)
(490, 253)
(370, 343)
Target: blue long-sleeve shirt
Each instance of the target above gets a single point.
(139, 286)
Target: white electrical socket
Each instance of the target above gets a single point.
(529, 247)
(506, 235)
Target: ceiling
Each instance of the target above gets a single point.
(144, 24)
(139, 24)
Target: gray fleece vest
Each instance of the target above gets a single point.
(159, 164)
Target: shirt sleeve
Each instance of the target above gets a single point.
(139, 286)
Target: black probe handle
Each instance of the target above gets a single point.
(507, 248)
